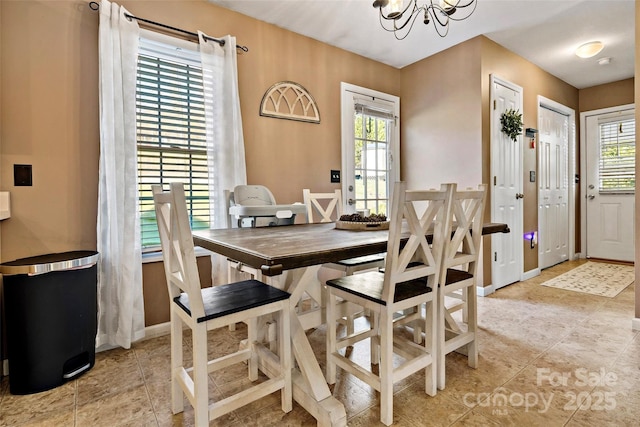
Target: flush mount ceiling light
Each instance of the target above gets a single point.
(590, 49)
(438, 11)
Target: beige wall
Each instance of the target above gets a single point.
(501, 62)
(49, 112)
(49, 119)
(606, 95)
(446, 115)
(441, 122)
(50, 116)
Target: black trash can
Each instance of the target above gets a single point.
(50, 307)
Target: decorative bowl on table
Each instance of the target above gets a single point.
(358, 222)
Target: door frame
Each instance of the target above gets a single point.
(515, 228)
(571, 173)
(347, 91)
(583, 167)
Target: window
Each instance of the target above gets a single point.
(372, 133)
(171, 134)
(617, 156)
(370, 148)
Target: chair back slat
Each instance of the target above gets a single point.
(176, 240)
(463, 248)
(333, 202)
(418, 211)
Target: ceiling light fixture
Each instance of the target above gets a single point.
(438, 11)
(604, 61)
(590, 49)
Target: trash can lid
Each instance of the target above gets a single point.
(50, 262)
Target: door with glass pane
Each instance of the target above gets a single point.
(610, 186)
(370, 160)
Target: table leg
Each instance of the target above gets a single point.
(310, 388)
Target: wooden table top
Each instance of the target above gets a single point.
(274, 249)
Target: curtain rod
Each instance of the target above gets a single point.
(95, 6)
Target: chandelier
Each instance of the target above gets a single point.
(440, 12)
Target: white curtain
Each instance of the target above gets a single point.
(120, 303)
(225, 141)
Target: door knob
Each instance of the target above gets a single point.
(591, 196)
(591, 187)
(519, 196)
(351, 201)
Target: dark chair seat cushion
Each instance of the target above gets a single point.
(353, 262)
(455, 276)
(369, 286)
(233, 298)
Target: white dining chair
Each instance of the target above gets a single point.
(410, 279)
(327, 207)
(457, 289)
(203, 310)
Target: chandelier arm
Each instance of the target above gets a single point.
(462, 18)
(395, 33)
(412, 2)
(411, 19)
(432, 10)
(436, 21)
(436, 12)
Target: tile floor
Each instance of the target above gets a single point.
(547, 357)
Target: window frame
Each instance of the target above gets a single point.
(170, 49)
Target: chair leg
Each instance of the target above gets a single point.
(284, 340)
(177, 363)
(430, 344)
(200, 376)
(386, 367)
(375, 340)
(330, 313)
(441, 354)
(472, 325)
(252, 336)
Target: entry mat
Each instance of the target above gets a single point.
(596, 278)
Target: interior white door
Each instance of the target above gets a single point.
(370, 148)
(610, 197)
(553, 187)
(506, 194)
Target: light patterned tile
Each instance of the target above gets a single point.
(21, 409)
(129, 407)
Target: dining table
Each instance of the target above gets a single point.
(289, 257)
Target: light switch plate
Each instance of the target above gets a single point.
(22, 176)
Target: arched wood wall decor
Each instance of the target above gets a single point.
(291, 101)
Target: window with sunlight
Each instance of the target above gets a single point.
(617, 156)
(170, 132)
(372, 158)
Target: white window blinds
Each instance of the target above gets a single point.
(617, 156)
(170, 131)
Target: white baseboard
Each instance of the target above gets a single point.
(577, 255)
(530, 274)
(635, 324)
(155, 331)
(483, 291)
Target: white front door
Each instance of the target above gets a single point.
(610, 185)
(506, 187)
(553, 187)
(370, 148)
